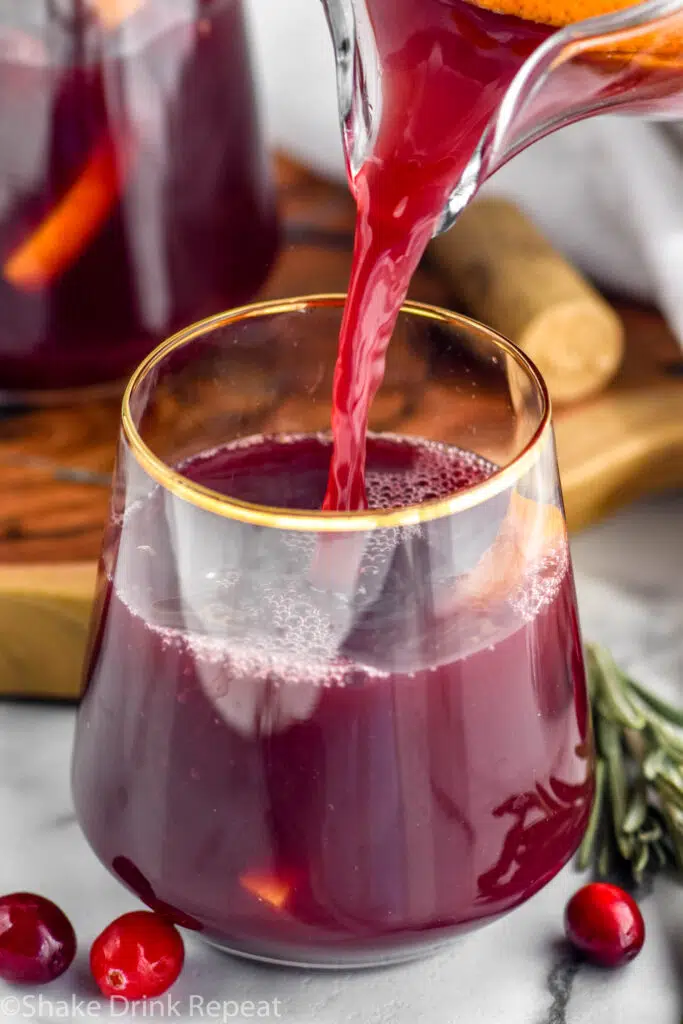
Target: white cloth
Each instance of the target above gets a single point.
(607, 192)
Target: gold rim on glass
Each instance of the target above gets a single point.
(319, 521)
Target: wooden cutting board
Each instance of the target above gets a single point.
(55, 465)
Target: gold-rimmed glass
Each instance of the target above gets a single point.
(333, 739)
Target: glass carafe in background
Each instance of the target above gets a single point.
(435, 95)
(134, 190)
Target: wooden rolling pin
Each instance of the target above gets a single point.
(508, 276)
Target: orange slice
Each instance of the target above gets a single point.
(529, 531)
(649, 43)
(267, 888)
(66, 230)
(548, 12)
(537, 526)
(112, 12)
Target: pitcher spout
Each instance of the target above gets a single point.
(358, 79)
(459, 89)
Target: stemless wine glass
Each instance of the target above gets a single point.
(334, 739)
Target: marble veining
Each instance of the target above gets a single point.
(517, 971)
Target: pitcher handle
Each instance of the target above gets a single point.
(535, 104)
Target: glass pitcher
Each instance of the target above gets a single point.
(134, 190)
(446, 91)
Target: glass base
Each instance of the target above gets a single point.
(353, 963)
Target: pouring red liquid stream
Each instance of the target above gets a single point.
(446, 67)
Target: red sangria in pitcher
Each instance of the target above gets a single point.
(134, 190)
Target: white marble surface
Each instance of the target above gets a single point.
(630, 575)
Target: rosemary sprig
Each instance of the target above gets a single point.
(635, 826)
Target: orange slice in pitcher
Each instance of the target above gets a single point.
(550, 12)
(61, 237)
(529, 531)
(647, 44)
(112, 12)
(267, 888)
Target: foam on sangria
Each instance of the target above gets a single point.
(400, 471)
(278, 626)
(435, 471)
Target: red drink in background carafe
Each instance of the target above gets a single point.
(134, 193)
(300, 792)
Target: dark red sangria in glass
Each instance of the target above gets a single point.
(334, 738)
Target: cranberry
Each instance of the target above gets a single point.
(138, 956)
(37, 942)
(605, 924)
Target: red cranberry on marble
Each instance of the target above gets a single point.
(605, 924)
(37, 941)
(138, 956)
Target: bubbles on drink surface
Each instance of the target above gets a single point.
(431, 471)
(273, 618)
